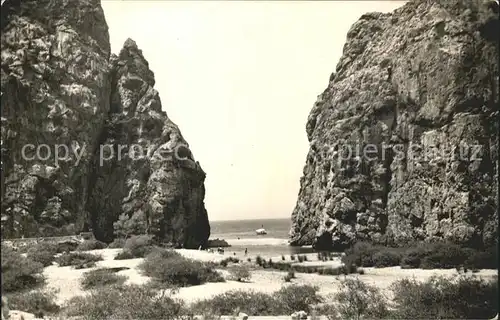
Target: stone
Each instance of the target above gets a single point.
(404, 140)
(66, 101)
(299, 315)
(243, 316)
(67, 245)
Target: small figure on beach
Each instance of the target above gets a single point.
(246, 251)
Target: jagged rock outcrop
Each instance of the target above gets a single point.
(63, 92)
(55, 90)
(413, 98)
(157, 178)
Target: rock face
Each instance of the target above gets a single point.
(404, 141)
(151, 174)
(83, 110)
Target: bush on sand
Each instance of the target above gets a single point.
(101, 277)
(78, 260)
(125, 302)
(19, 272)
(39, 302)
(172, 269)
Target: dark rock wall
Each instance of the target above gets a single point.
(60, 86)
(156, 178)
(55, 90)
(421, 79)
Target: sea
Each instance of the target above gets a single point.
(241, 235)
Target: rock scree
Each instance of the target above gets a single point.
(404, 140)
(74, 122)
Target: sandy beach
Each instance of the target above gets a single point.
(66, 280)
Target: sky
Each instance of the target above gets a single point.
(239, 78)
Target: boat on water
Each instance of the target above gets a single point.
(261, 231)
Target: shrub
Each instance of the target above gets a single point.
(281, 266)
(139, 246)
(357, 299)
(287, 278)
(79, 260)
(19, 272)
(285, 301)
(301, 258)
(43, 252)
(361, 255)
(125, 302)
(67, 245)
(292, 257)
(92, 244)
(427, 256)
(443, 255)
(487, 259)
(129, 226)
(387, 258)
(38, 302)
(249, 259)
(249, 302)
(223, 263)
(101, 277)
(447, 256)
(124, 255)
(328, 309)
(349, 269)
(466, 297)
(297, 297)
(240, 273)
(118, 243)
(259, 260)
(283, 258)
(169, 267)
(412, 258)
(332, 271)
(228, 260)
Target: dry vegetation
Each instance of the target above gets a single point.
(108, 298)
(425, 256)
(169, 268)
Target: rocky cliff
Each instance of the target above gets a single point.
(404, 140)
(84, 137)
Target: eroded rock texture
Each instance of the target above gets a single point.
(156, 178)
(420, 87)
(55, 90)
(60, 86)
